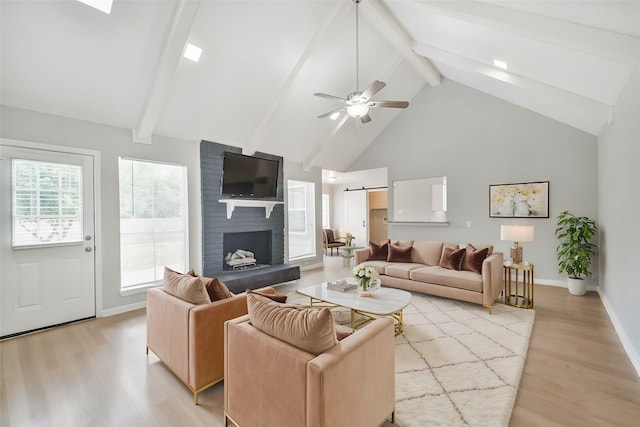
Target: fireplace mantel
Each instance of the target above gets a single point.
(233, 203)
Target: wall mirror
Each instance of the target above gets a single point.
(420, 200)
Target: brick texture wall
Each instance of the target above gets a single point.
(214, 213)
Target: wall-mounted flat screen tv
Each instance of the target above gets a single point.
(249, 177)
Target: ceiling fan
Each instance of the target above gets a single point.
(358, 103)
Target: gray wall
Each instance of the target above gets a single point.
(476, 140)
(618, 154)
(111, 142)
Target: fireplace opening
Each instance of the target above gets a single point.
(246, 250)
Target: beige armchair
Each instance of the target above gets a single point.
(331, 241)
(269, 382)
(189, 338)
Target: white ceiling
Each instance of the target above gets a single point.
(263, 60)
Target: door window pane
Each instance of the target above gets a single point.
(153, 221)
(47, 203)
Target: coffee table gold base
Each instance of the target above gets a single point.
(368, 317)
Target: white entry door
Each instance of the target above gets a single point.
(356, 213)
(47, 239)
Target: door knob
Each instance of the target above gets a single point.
(88, 249)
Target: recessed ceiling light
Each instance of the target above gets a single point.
(192, 52)
(101, 5)
(332, 178)
(334, 115)
(500, 64)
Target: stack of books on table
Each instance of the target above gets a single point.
(341, 285)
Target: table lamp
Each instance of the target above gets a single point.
(516, 233)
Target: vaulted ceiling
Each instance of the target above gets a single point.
(263, 60)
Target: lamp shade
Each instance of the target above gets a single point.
(516, 233)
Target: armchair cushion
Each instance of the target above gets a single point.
(216, 289)
(185, 287)
(308, 329)
(274, 297)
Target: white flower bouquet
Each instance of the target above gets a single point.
(366, 276)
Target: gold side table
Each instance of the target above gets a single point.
(516, 293)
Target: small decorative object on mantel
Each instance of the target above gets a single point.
(367, 278)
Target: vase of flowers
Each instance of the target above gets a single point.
(367, 278)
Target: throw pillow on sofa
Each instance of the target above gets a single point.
(185, 287)
(379, 252)
(399, 254)
(452, 258)
(474, 257)
(309, 329)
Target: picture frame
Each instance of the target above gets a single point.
(519, 200)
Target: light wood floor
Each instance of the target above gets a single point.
(96, 373)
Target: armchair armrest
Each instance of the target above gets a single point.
(206, 337)
(361, 367)
(168, 330)
(492, 278)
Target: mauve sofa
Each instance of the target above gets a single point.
(423, 273)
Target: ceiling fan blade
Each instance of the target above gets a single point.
(373, 88)
(366, 118)
(388, 104)
(335, 98)
(331, 112)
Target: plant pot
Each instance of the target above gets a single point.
(576, 286)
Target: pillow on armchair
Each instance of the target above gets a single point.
(309, 329)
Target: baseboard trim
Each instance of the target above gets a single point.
(634, 357)
(311, 266)
(122, 309)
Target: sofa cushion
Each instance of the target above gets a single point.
(399, 254)
(425, 252)
(472, 261)
(380, 266)
(447, 245)
(379, 251)
(185, 287)
(273, 297)
(452, 258)
(441, 276)
(309, 329)
(402, 243)
(401, 270)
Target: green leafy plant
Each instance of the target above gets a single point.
(575, 249)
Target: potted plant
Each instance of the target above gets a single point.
(575, 249)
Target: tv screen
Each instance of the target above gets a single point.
(248, 176)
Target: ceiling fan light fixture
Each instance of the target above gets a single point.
(357, 110)
(335, 115)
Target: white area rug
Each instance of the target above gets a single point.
(456, 364)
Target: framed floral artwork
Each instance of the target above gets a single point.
(522, 200)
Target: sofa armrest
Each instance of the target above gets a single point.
(492, 278)
(361, 255)
(206, 337)
(353, 383)
(168, 330)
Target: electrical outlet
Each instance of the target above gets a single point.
(468, 224)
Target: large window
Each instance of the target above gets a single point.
(301, 219)
(153, 221)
